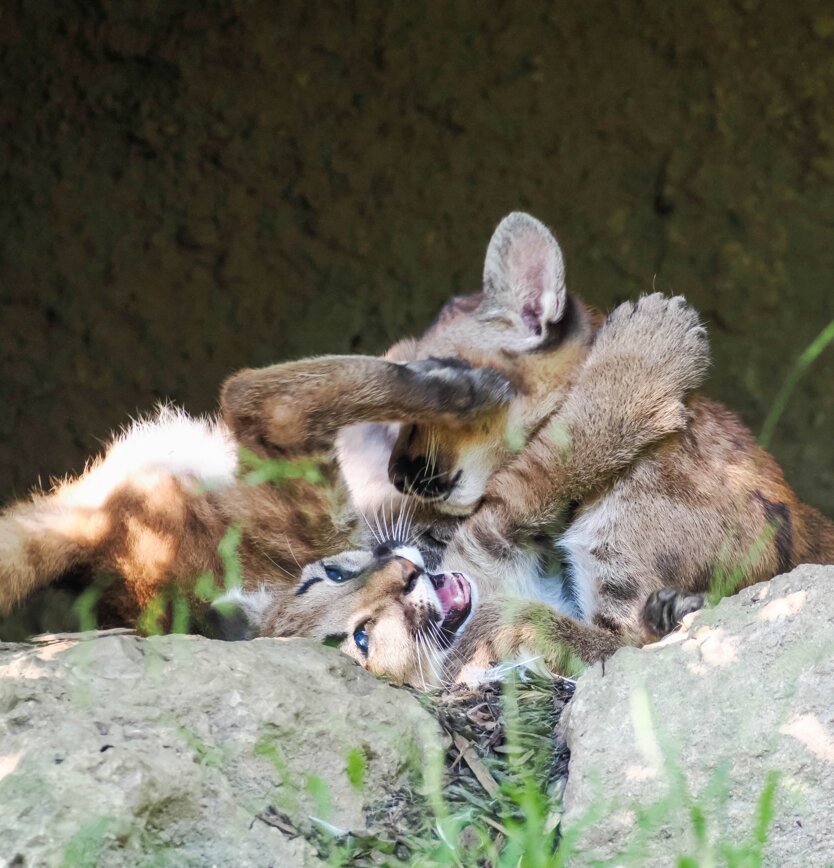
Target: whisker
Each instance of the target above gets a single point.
(419, 659)
(452, 653)
(405, 520)
(391, 534)
(398, 528)
(441, 662)
(380, 523)
(416, 534)
(272, 560)
(426, 479)
(380, 534)
(373, 532)
(430, 658)
(289, 546)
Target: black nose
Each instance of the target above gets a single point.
(384, 550)
(417, 476)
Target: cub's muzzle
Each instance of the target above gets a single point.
(419, 477)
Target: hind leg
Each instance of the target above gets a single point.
(642, 555)
(629, 395)
(139, 511)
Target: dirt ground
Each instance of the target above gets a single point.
(189, 188)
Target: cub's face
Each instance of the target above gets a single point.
(382, 608)
(522, 324)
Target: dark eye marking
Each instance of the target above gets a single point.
(307, 585)
(360, 637)
(334, 640)
(333, 573)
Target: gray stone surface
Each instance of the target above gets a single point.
(747, 688)
(126, 751)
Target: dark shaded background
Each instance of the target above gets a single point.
(188, 188)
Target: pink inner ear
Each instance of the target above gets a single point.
(529, 262)
(523, 272)
(531, 315)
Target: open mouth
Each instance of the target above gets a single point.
(454, 593)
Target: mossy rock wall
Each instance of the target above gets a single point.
(189, 188)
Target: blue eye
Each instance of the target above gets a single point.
(360, 636)
(334, 574)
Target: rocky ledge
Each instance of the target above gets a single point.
(716, 744)
(175, 750)
(719, 739)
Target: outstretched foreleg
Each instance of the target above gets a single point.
(297, 408)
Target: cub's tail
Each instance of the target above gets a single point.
(127, 513)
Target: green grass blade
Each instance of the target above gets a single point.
(825, 337)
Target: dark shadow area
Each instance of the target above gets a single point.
(190, 188)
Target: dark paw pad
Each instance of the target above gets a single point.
(460, 388)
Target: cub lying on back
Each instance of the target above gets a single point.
(623, 502)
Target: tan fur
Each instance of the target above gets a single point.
(152, 526)
(383, 596)
(297, 408)
(593, 445)
(642, 487)
(159, 530)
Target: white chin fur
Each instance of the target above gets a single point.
(364, 450)
(410, 553)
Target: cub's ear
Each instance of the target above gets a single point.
(524, 272)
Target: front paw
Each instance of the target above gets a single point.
(268, 416)
(666, 608)
(452, 386)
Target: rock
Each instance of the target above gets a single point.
(175, 750)
(683, 735)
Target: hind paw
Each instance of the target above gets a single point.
(666, 608)
(668, 337)
(647, 357)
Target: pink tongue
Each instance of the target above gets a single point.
(451, 595)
